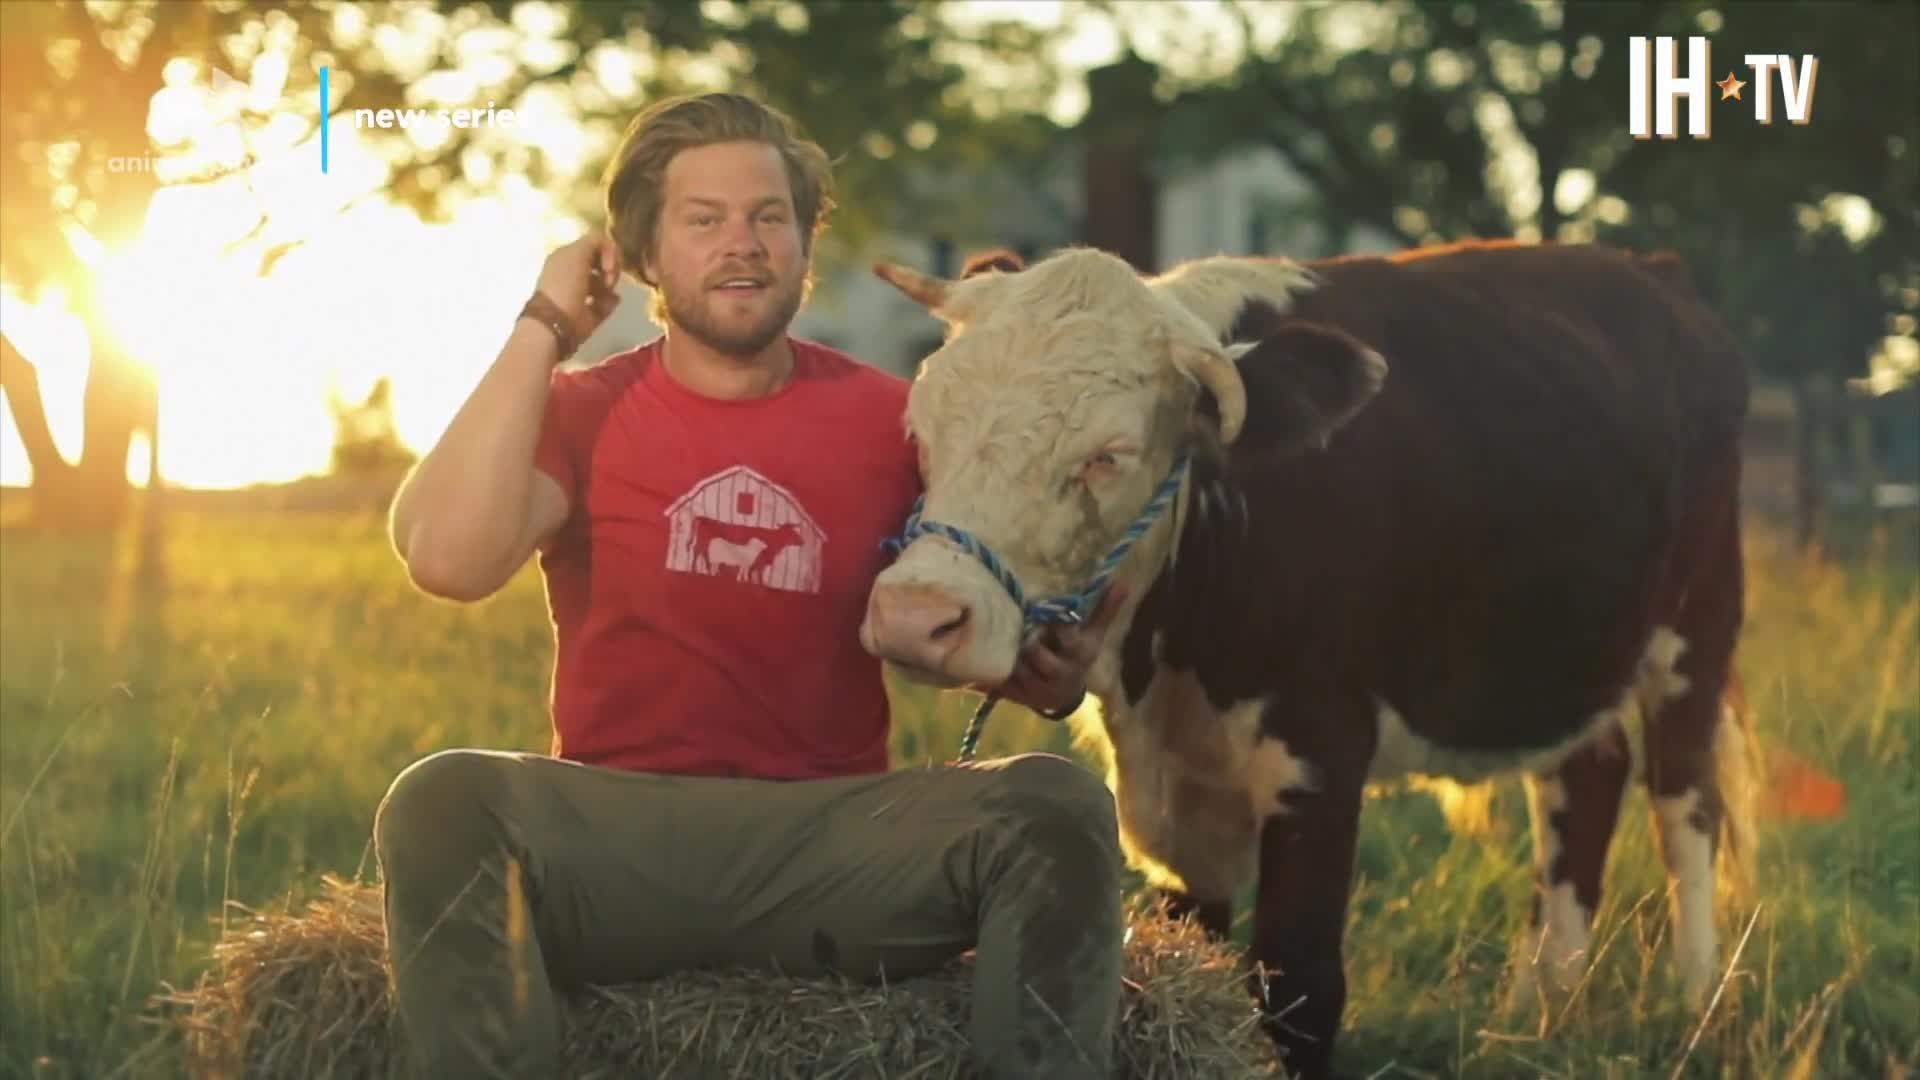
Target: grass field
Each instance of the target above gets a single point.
(213, 713)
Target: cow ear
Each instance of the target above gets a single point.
(1216, 289)
(1301, 383)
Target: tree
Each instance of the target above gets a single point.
(888, 87)
(883, 85)
(365, 438)
(1443, 121)
(57, 148)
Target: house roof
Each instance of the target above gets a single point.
(805, 518)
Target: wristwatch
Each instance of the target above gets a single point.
(541, 309)
(1062, 714)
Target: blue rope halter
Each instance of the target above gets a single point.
(1071, 607)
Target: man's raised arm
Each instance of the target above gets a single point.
(474, 509)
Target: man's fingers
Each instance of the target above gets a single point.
(1044, 662)
(609, 258)
(603, 294)
(602, 297)
(1074, 645)
(1019, 685)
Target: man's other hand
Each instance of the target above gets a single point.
(1051, 673)
(583, 279)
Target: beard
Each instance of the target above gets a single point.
(696, 312)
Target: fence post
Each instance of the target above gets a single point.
(1861, 430)
(1812, 412)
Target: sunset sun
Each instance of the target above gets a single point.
(246, 364)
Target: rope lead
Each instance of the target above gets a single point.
(1068, 608)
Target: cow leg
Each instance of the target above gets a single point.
(1306, 875)
(1574, 809)
(1214, 916)
(1694, 747)
(1689, 742)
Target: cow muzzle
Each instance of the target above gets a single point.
(924, 629)
(940, 619)
(929, 629)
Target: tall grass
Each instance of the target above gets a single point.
(211, 714)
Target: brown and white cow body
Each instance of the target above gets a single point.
(1453, 513)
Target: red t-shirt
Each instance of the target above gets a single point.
(708, 585)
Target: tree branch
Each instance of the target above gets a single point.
(1348, 181)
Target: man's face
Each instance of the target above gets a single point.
(729, 259)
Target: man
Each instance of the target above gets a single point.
(708, 510)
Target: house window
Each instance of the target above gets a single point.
(743, 504)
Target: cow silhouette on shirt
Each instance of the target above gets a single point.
(747, 550)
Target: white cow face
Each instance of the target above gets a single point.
(1062, 398)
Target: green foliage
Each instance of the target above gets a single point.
(215, 715)
(1756, 207)
(890, 88)
(885, 87)
(1441, 121)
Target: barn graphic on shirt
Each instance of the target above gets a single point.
(738, 525)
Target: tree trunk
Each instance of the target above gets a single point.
(120, 399)
(1121, 130)
(1810, 403)
(21, 381)
(1122, 204)
(111, 412)
(1550, 217)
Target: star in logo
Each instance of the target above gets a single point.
(1730, 87)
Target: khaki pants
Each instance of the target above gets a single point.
(618, 876)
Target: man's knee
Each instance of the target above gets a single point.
(439, 804)
(1052, 801)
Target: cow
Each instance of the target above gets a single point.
(1460, 512)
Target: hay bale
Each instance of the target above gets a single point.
(308, 996)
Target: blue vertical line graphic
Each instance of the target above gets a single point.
(325, 111)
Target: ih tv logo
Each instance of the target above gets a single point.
(1657, 88)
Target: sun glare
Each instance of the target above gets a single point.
(245, 364)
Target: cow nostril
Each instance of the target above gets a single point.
(951, 625)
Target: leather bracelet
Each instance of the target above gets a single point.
(541, 309)
(1062, 714)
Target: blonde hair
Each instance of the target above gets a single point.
(635, 178)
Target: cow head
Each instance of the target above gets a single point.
(1064, 397)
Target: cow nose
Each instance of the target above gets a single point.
(918, 624)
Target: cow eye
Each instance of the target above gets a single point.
(1095, 467)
